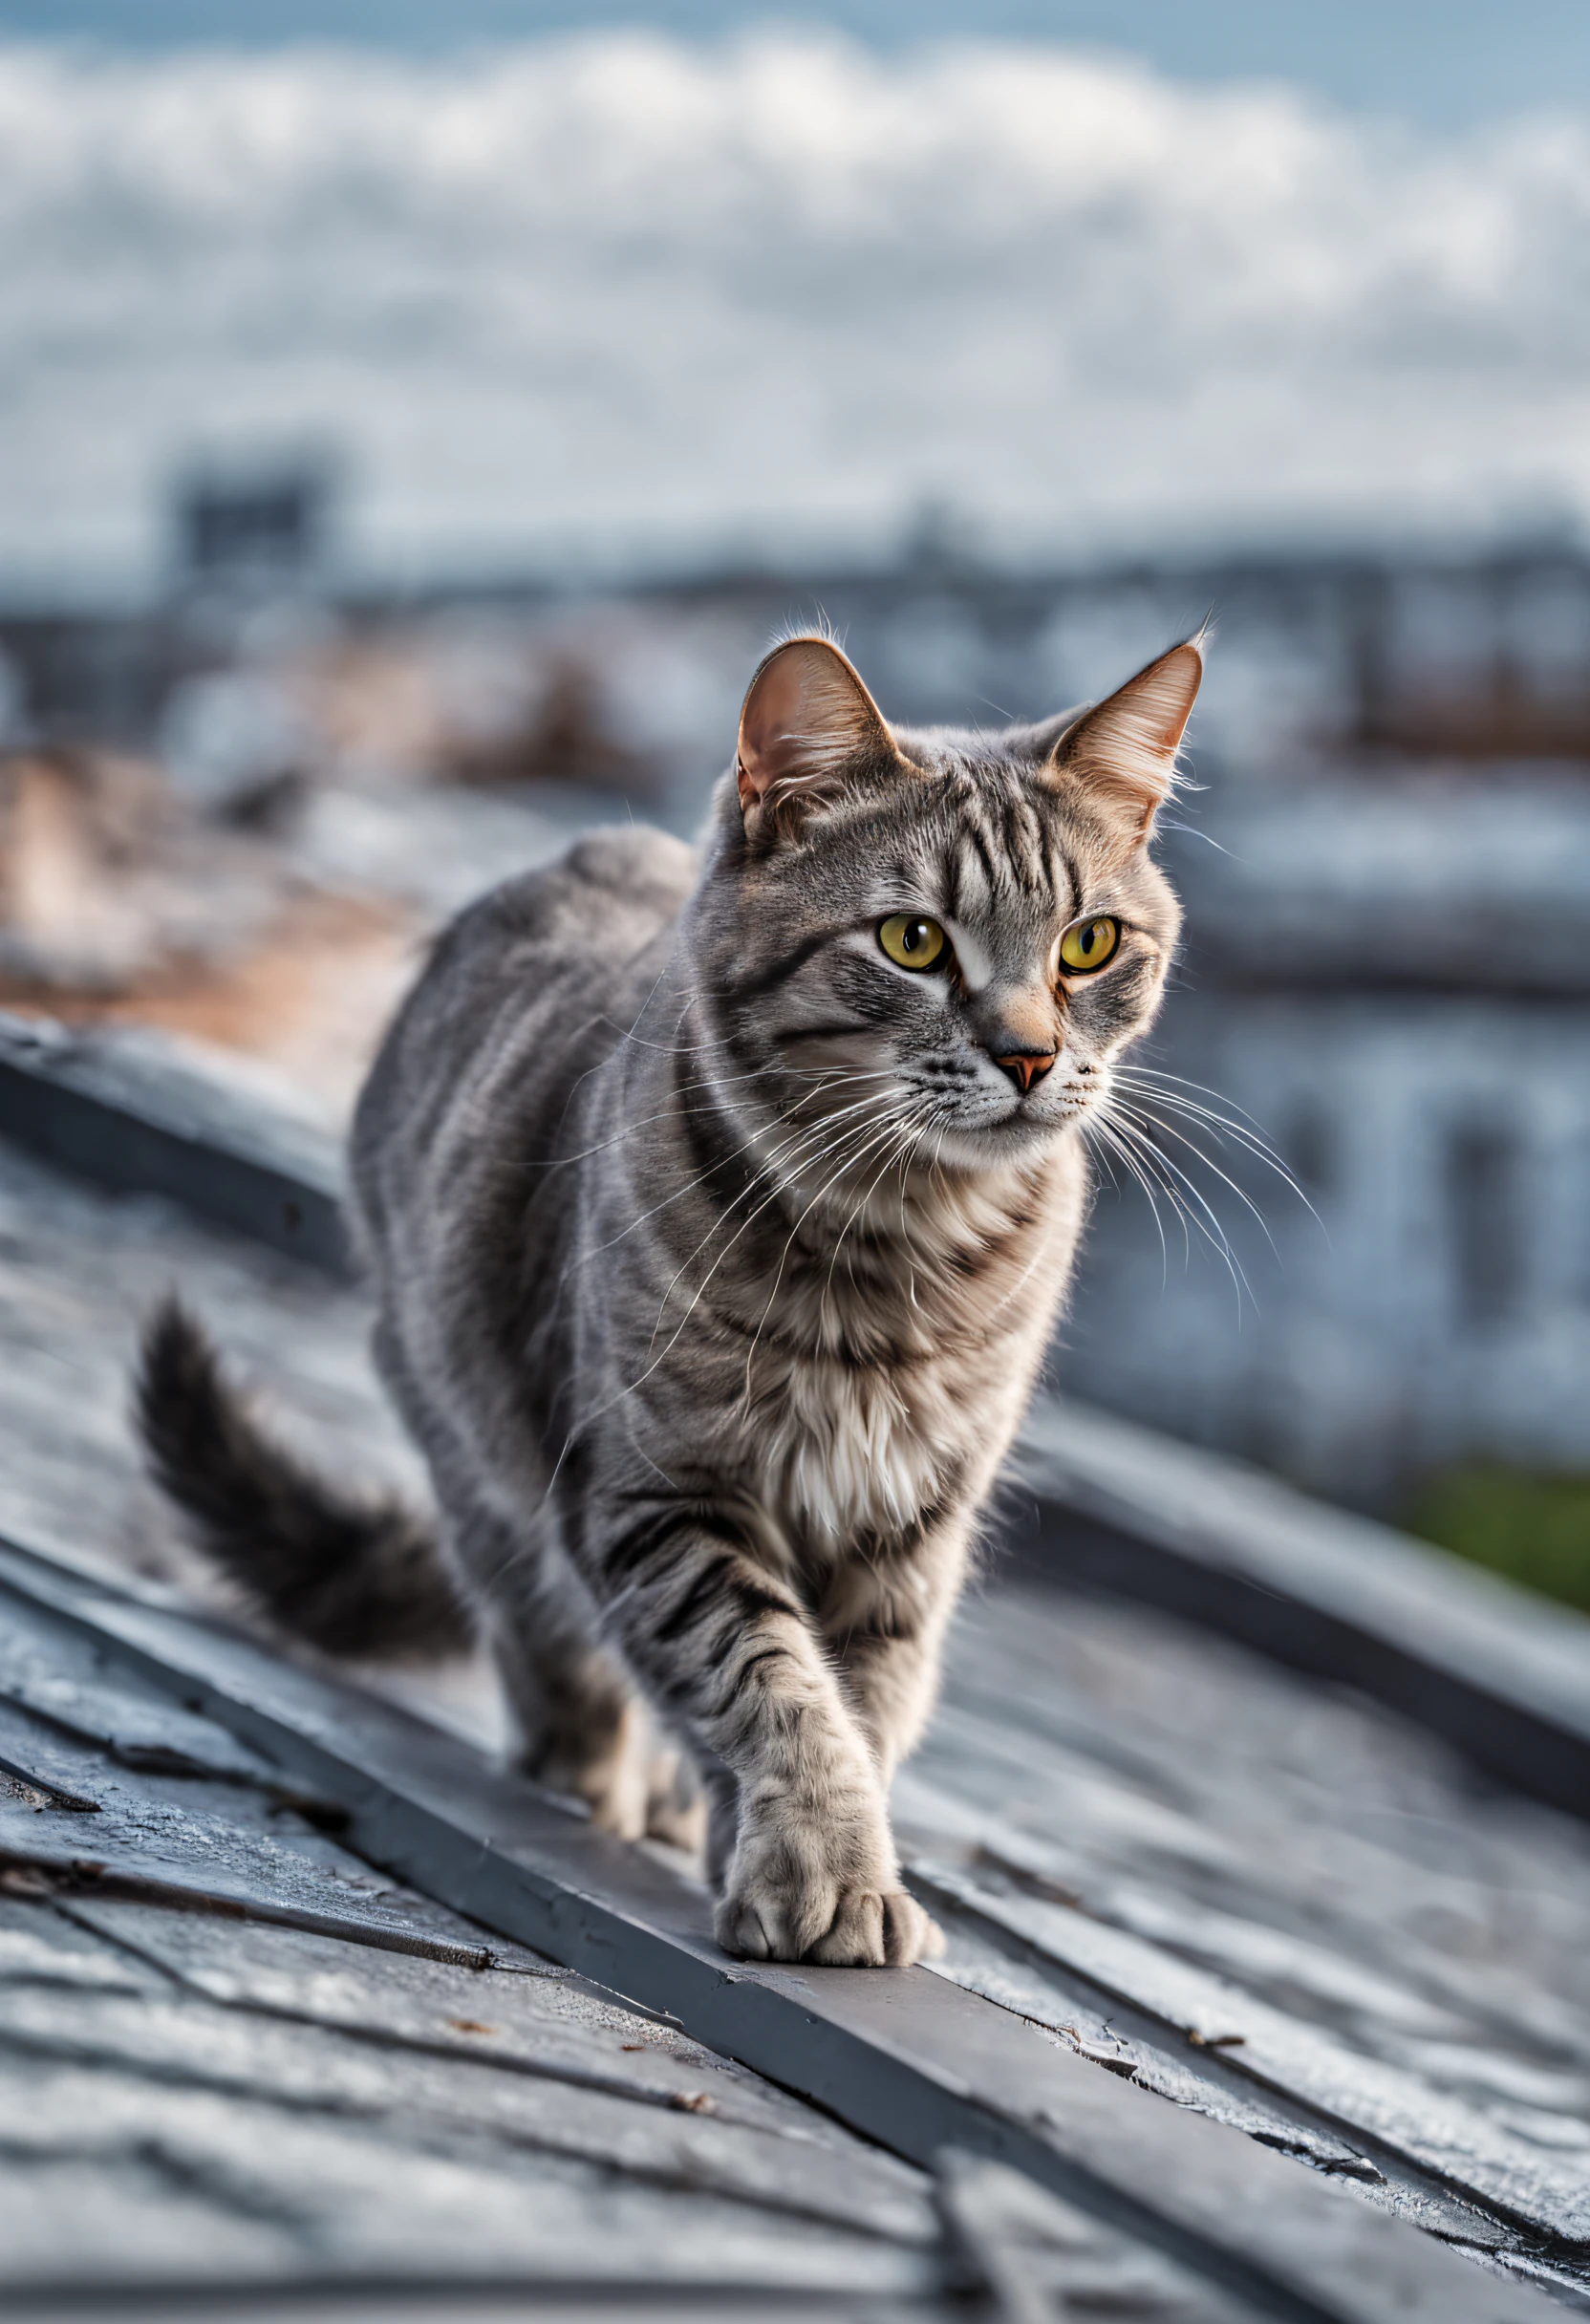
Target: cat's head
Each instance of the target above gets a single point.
(948, 932)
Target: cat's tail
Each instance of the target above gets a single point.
(355, 1578)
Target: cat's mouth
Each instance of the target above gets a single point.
(991, 1128)
(1060, 1097)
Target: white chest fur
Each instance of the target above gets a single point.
(857, 1448)
(860, 1450)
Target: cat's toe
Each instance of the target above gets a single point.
(739, 1929)
(855, 1938)
(775, 1910)
(877, 1929)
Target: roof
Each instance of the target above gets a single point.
(1261, 1995)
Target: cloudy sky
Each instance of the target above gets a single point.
(635, 295)
(1434, 60)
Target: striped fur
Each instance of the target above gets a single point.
(717, 1256)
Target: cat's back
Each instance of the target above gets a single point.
(523, 994)
(589, 916)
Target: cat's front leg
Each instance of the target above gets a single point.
(885, 1620)
(728, 1651)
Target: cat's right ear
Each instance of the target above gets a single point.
(1121, 753)
(806, 727)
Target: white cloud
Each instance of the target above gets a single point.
(642, 294)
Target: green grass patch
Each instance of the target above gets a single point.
(1532, 1528)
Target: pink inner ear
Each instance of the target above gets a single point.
(771, 727)
(807, 712)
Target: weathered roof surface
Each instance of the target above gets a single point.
(230, 2052)
(1269, 1902)
(77, 1270)
(1231, 1944)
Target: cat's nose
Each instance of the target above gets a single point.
(1026, 1065)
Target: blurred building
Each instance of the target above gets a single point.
(1385, 855)
(1387, 973)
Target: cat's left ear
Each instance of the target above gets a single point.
(1121, 753)
(808, 727)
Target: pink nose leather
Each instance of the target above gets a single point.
(1025, 1068)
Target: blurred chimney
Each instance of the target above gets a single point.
(265, 525)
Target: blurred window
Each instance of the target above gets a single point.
(260, 525)
(1309, 1150)
(1484, 1203)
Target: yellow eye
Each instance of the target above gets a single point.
(912, 942)
(1089, 945)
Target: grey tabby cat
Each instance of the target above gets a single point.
(719, 1212)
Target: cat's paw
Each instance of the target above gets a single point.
(617, 1798)
(612, 1785)
(682, 1826)
(788, 1902)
